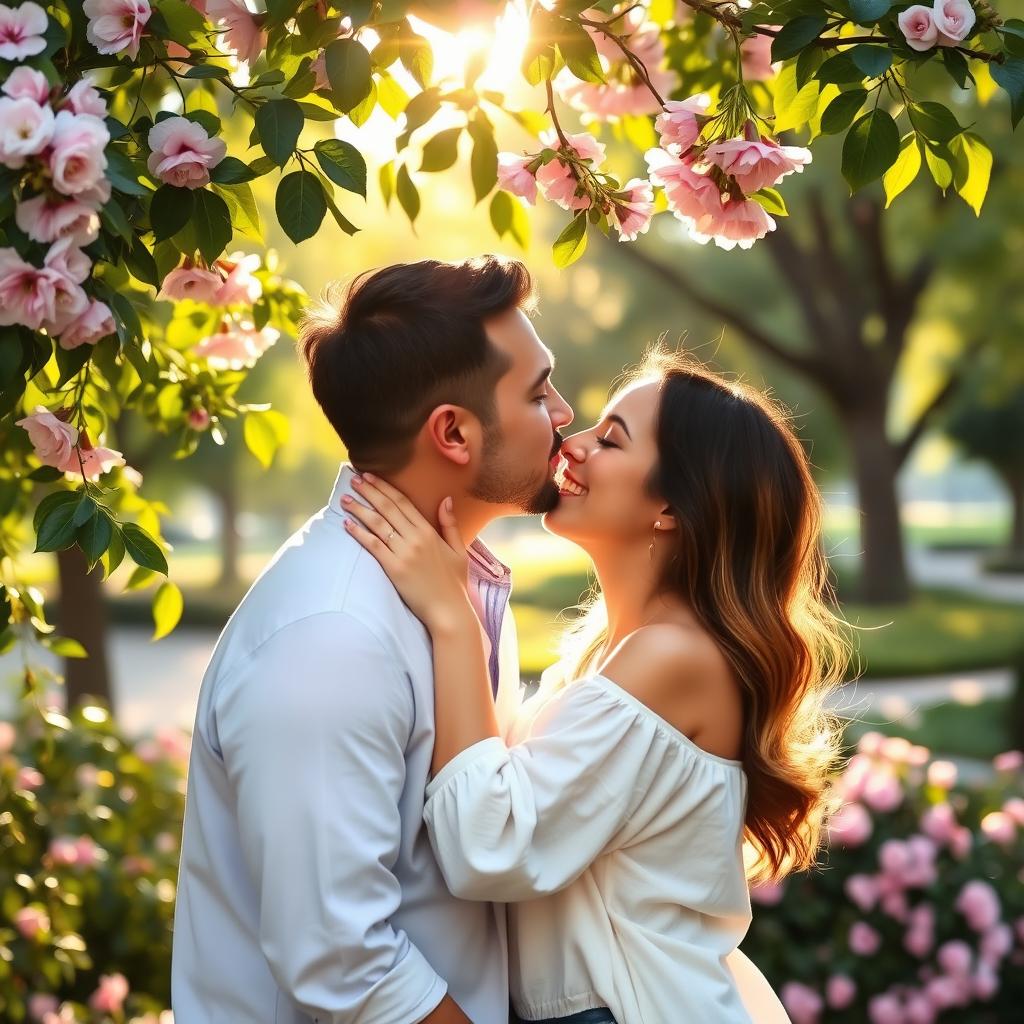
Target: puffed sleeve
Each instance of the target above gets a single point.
(512, 823)
(313, 732)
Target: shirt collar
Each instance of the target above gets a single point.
(483, 563)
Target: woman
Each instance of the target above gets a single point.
(686, 726)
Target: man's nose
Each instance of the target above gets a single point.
(561, 413)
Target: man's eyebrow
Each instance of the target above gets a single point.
(545, 373)
(616, 418)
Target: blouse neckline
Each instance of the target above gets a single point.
(626, 696)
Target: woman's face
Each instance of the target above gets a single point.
(603, 500)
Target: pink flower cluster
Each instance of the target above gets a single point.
(22, 31)
(708, 186)
(116, 26)
(228, 282)
(945, 23)
(182, 153)
(623, 93)
(236, 343)
(242, 31)
(59, 444)
(81, 852)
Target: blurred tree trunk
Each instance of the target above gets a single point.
(83, 617)
(840, 278)
(1015, 483)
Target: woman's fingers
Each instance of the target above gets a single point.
(400, 501)
(450, 526)
(371, 519)
(370, 490)
(372, 543)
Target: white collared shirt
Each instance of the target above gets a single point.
(308, 889)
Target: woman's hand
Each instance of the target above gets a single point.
(428, 570)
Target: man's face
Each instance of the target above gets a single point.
(522, 442)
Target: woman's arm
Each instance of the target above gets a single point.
(429, 572)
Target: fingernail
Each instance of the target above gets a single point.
(369, 477)
(448, 504)
(349, 524)
(357, 480)
(346, 499)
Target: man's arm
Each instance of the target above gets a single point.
(313, 730)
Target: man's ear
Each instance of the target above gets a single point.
(454, 433)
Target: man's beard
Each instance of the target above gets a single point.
(501, 482)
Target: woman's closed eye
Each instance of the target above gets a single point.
(605, 443)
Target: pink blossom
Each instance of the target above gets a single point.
(77, 161)
(53, 440)
(871, 743)
(858, 771)
(45, 218)
(88, 327)
(918, 755)
(882, 791)
(236, 344)
(633, 215)
(756, 164)
(1014, 807)
(918, 27)
(918, 1009)
(96, 461)
(918, 941)
(885, 1009)
(803, 1003)
(556, 179)
(26, 129)
(923, 916)
(175, 744)
(165, 843)
(195, 283)
(28, 778)
(954, 20)
(183, 152)
(984, 983)
(109, 997)
(893, 856)
(863, 939)
(22, 31)
(691, 196)
(861, 890)
(895, 905)
(65, 268)
(939, 822)
(32, 922)
(979, 903)
(63, 851)
(768, 894)
(27, 83)
(840, 991)
(27, 294)
(40, 1004)
(995, 944)
(239, 286)
(242, 32)
(851, 825)
(896, 749)
(1008, 761)
(198, 419)
(942, 774)
(83, 98)
(961, 842)
(999, 827)
(116, 25)
(954, 957)
(737, 222)
(756, 57)
(515, 177)
(943, 992)
(679, 127)
(7, 737)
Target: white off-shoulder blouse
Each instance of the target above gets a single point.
(617, 842)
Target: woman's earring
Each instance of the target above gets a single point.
(650, 550)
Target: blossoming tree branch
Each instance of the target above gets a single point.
(131, 131)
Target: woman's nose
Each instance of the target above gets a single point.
(574, 449)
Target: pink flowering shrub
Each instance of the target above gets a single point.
(88, 869)
(917, 913)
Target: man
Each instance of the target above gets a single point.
(308, 889)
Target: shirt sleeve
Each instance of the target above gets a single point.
(313, 732)
(513, 823)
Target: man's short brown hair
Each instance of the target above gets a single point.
(402, 340)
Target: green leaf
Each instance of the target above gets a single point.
(232, 171)
(540, 61)
(142, 548)
(972, 169)
(84, 511)
(867, 12)
(793, 108)
(340, 219)
(57, 530)
(94, 537)
(839, 114)
(212, 222)
(904, 170)
(349, 72)
(796, 34)
(360, 113)
(483, 163)
(501, 213)
(124, 173)
(265, 431)
(940, 164)
(168, 605)
(572, 242)
(417, 57)
(343, 164)
(956, 65)
(245, 212)
(839, 70)
(52, 501)
(871, 60)
(579, 52)
(301, 205)
(70, 362)
(114, 554)
(1010, 75)
(442, 150)
(771, 201)
(66, 647)
(807, 63)
(279, 125)
(933, 121)
(386, 177)
(870, 148)
(140, 578)
(170, 210)
(407, 193)
(207, 71)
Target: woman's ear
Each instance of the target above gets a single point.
(666, 520)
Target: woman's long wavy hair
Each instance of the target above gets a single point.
(750, 564)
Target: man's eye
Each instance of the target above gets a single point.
(605, 443)
(542, 398)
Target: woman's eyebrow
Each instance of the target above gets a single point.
(616, 418)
